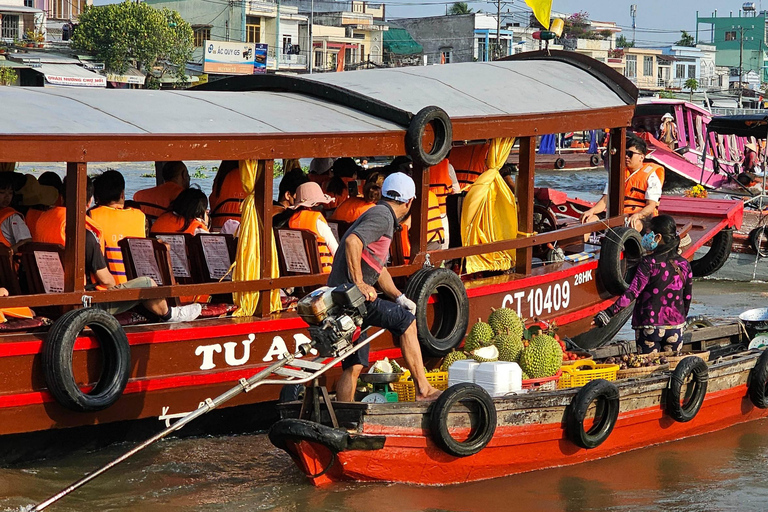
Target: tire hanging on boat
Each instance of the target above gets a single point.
(480, 436)
(450, 314)
(594, 160)
(560, 163)
(115, 355)
(684, 408)
(620, 251)
(606, 396)
(757, 239)
(758, 382)
(443, 132)
(716, 256)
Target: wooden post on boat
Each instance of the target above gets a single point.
(616, 152)
(524, 192)
(74, 251)
(419, 209)
(263, 197)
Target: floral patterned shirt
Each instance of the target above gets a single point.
(663, 291)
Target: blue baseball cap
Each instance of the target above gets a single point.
(398, 187)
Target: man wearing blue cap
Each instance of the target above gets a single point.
(361, 259)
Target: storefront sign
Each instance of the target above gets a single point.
(229, 58)
(96, 81)
(260, 65)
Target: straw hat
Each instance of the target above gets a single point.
(33, 193)
(310, 194)
(667, 116)
(751, 145)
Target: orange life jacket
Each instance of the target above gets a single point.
(53, 227)
(226, 204)
(440, 182)
(155, 201)
(351, 209)
(4, 214)
(307, 219)
(636, 186)
(32, 218)
(469, 163)
(435, 231)
(18, 312)
(339, 199)
(116, 224)
(169, 222)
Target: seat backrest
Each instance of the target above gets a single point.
(211, 257)
(396, 251)
(339, 228)
(42, 267)
(9, 278)
(297, 252)
(453, 207)
(147, 257)
(179, 244)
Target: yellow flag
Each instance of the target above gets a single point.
(542, 9)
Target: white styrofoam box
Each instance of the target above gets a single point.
(499, 377)
(462, 371)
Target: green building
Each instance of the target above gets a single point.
(728, 33)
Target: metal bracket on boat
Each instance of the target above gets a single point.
(87, 300)
(427, 262)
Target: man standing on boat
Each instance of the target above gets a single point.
(642, 187)
(361, 259)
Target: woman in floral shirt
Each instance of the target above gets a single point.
(662, 290)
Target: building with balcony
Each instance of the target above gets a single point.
(314, 7)
(740, 38)
(19, 16)
(641, 66)
(366, 34)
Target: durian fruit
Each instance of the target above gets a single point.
(381, 366)
(396, 368)
(509, 347)
(481, 335)
(486, 354)
(542, 357)
(506, 321)
(452, 358)
(525, 376)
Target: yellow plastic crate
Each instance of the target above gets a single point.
(574, 377)
(406, 390)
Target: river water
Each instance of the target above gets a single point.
(720, 471)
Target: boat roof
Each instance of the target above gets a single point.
(752, 125)
(653, 106)
(313, 115)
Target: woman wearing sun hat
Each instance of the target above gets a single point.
(308, 205)
(668, 131)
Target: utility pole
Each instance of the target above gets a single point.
(633, 13)
(277, 37)
(311, 55)
(741, 61)
(497, 53)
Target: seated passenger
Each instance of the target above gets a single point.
(354, 207)
(227, 194)
(51, 179)
(155, 201)
(309, 200)
(13, 229)
(286, 196)
(319, 170)
(116, 222)
(188, 214)
(52, 223)
(37, 198)
(344, 172)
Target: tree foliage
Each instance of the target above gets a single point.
(686, 39)
(8, 75)
(621, 42)
(135, 34)
(460, 8)
(691, 84)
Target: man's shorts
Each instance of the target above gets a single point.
(115, 308)
(381, 313)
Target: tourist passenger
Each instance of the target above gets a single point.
(155, 201)
(286, 196)
(13, 229)
(442, 183)
(351, 209)
(309, 201)
(319, 170)
(34, 198)
(189, 214)
(642, 187)
(662, 289)
(116, 221)
(344, 174)
(668, 131)
(361, 260)
(227, 194)
(51, 179)
(52, 224)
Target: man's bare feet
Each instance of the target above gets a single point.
(430, 395)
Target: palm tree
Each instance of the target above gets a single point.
(691, 84)
(459, 8)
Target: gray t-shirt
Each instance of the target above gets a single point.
(375, 229)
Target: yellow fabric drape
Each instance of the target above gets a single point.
(542, 9)
(249, 244)
(489, 213)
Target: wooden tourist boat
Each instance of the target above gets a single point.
(168, 369)
(440, 444)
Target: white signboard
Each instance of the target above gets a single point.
(79, 81)
(229, 58)
(143, 255)
(51, 271)
(294, 253)
(216, 256)
(179, 261)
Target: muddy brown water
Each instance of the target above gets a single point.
(719, 471)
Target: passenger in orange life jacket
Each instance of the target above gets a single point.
(155, 201)
(227, 194)
(17, 312)
(13, 229)
(286, 196)
(319, 170)
(116, 221)
(309, 200)
(34, 198)
(354, 207)
(642, 187)
(52, 224)
(344, 172)
(188, 214)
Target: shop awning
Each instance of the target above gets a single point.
(19, 9)
(70, 75)
(129, 76)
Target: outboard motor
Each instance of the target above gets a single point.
(334, 316)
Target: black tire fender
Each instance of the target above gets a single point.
(57, 360)
(716, 256)
(450, 319)
(620, 252)
(560, 163)
(696, 368)
(594, 160)
(758, 382)
(697, 322)
(486, 420)
(606, 394)
(758, 240)
(443, 130)
(291, 393)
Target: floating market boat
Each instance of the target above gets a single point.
(88, 370)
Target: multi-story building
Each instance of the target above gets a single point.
(361, 37)
(642, 68)
(19, 16)
(739, 39)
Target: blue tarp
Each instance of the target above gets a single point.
(592, 142)
(547, 144)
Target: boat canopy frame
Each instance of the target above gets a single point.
(590, 94)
